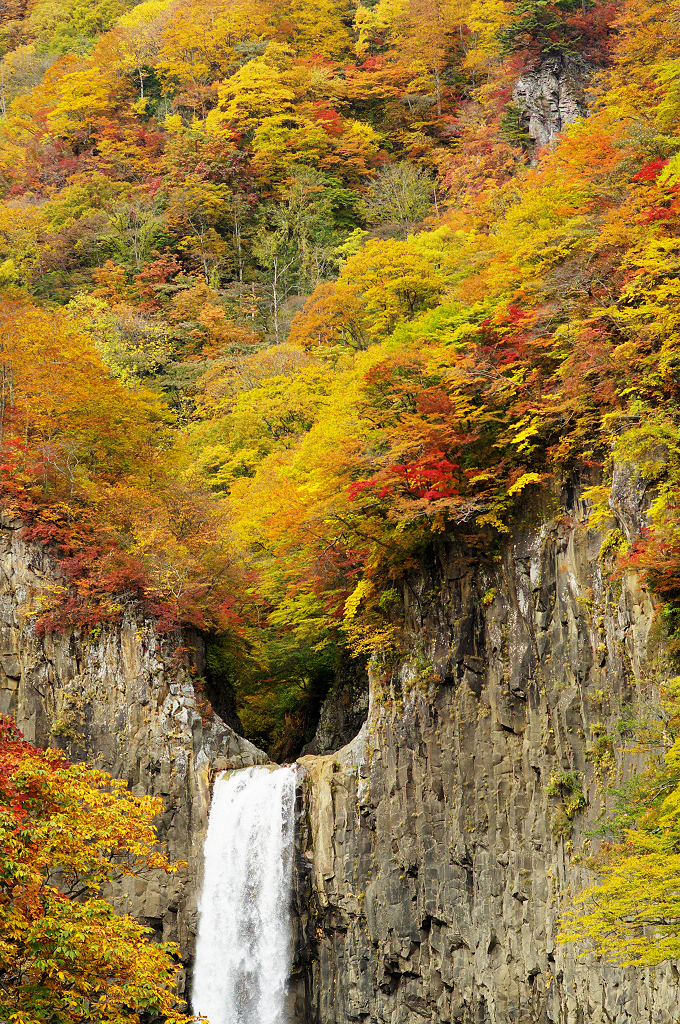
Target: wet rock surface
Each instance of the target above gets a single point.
(432, 862)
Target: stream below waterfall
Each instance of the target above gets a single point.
(243, 948)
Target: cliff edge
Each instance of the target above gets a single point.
(438, 846)
(123, 699)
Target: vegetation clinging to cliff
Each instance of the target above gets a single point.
(65, 955)
(631, 915)
(283, 386)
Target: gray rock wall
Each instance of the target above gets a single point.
(551, 96)
(433, 863)
(123, 700)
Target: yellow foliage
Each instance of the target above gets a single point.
(67, 831)
(256, 92)
(524, 480)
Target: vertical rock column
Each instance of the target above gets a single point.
(436, 849)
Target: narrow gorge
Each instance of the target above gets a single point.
(436, 849)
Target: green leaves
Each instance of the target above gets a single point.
(401, 193)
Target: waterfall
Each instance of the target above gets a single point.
(243, 949)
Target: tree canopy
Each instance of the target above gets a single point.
(288, 293)
(67, 831)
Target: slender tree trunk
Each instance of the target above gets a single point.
(204, 257)
(239, 253)
(276, 300)
(438, 87)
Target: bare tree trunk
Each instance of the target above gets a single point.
(239, 253)
(438, 86)
(276, 299)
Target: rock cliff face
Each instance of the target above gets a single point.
(433, 860)
(435, 849)
(125, 702)
(344, 710)
(551, 96)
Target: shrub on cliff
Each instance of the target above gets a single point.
(66, 956)
(631, 914)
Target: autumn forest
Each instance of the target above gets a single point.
(290, 290)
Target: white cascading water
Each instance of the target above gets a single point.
(243, 948)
